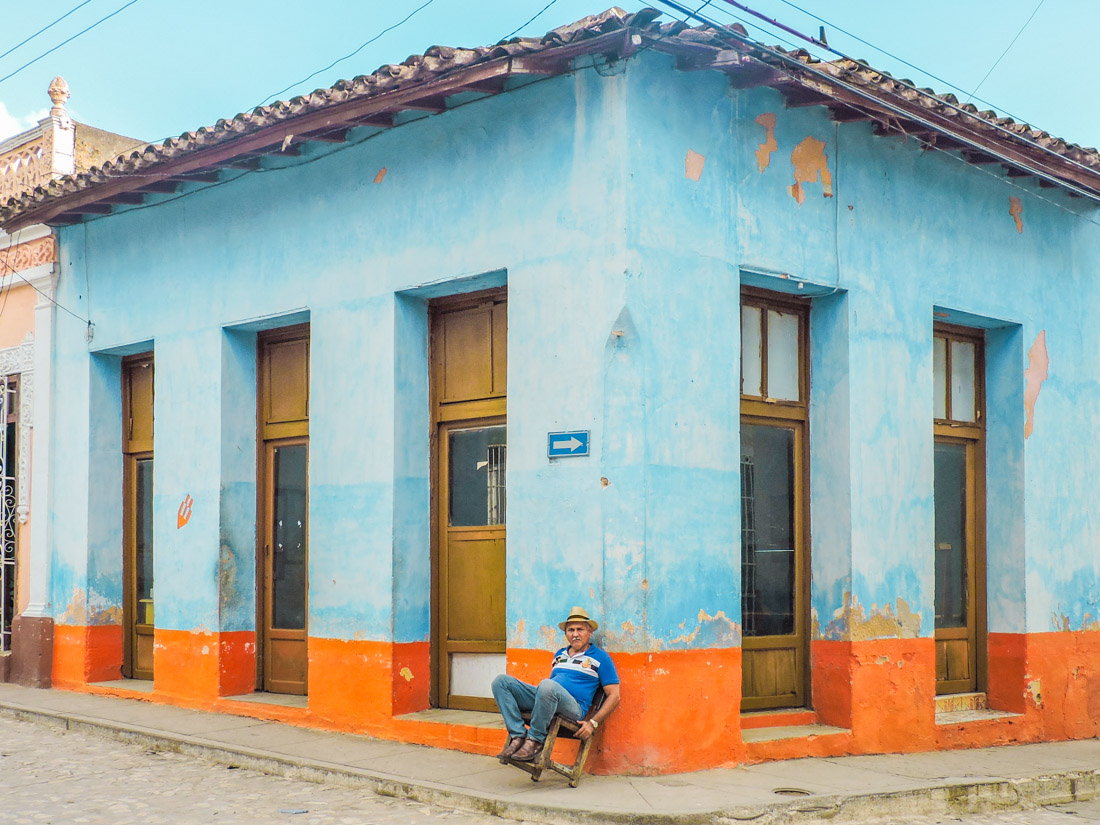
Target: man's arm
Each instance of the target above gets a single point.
(610, 702)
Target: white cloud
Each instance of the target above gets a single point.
(12, 124)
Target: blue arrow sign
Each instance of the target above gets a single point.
(574, 442)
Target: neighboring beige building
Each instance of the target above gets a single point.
(56, 147)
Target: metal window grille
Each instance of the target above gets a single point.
(8, 504)
(748, 546)
(498, 464)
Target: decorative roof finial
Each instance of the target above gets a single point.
(59, 93)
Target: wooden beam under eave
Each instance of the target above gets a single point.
(489, 85)
(249, 163)
(335, 136)
(131, 198)
(383, 120)
(196, 177)
(980, 158)
(92, 209)
(161, 187)
(434, 103)
(846, 114)
(800, 101)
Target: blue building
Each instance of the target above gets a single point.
(392, 374)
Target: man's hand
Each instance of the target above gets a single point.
(586, 730)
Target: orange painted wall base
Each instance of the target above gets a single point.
(680, 708)
(86, 653)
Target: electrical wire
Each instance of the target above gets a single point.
(69, 40)
(352, 54)
(528, 23)
(974, 142)
(893, 56)
(45, 28)
(997, 62)
(927, 144)
(12, 271)
(719, 27)
(960, 108)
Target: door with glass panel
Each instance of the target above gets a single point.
(137, 560)
(283, 563)
(959, 497)
(774, 511)
(469, 373)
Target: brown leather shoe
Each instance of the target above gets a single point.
(528, 752)
(513, 745)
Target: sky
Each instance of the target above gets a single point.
(156, 69)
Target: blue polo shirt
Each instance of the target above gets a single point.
(582, 674)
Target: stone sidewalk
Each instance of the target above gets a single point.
(840, 789)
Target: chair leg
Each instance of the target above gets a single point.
(578, 765)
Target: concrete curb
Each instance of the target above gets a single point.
(966, 796)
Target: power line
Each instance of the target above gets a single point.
(45, 28)
(12, 271)
(893, 56)
(784, 58)
(529, 22)
(69, 40)
(906, 84)
(1009, 46)
(345, 57)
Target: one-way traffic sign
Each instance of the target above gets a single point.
(574, 442)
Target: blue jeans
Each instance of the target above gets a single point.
(514, 696)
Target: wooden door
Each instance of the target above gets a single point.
(774, 501)
(959, 498)
(284, 535)
(137, 566)
(469, 344)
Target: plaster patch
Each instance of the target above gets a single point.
(206, 650)
(852, 622)
(765, 149)
(94, 611)
(693, 165)
(810, 164)
(183, 515)
(406, 674)
(521, 628)
(381, 174)
(1034, 691)
(1016, 209)
(711, 631)
(549, 637)
(1038, 370)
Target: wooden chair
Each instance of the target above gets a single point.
(565, 729)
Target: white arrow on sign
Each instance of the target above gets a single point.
(570, 445)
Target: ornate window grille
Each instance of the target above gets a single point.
(9, 501)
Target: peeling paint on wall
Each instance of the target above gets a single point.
(852, 622)
(765, 149)
(693, 165)
(1034, 692)
(94, 611)
(810, 164)
(381, 174)
(406, 674)
(1016, 209)
(711, 631)
(1037, 372)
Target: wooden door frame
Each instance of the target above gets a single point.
(973, 437)
(133, 450)
(801, 567)
(129, 567)
(267, 629)
(440, 546)
(452, 415)
(278, 432)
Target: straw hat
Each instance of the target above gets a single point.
(579, 614)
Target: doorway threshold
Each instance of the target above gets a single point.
(446, 716)
(283, 700)
(135, 685)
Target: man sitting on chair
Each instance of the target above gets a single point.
(578, 670)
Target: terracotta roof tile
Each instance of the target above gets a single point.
(842, 82)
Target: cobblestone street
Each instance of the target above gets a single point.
(55, 776)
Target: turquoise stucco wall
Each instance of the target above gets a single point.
(623, 276)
